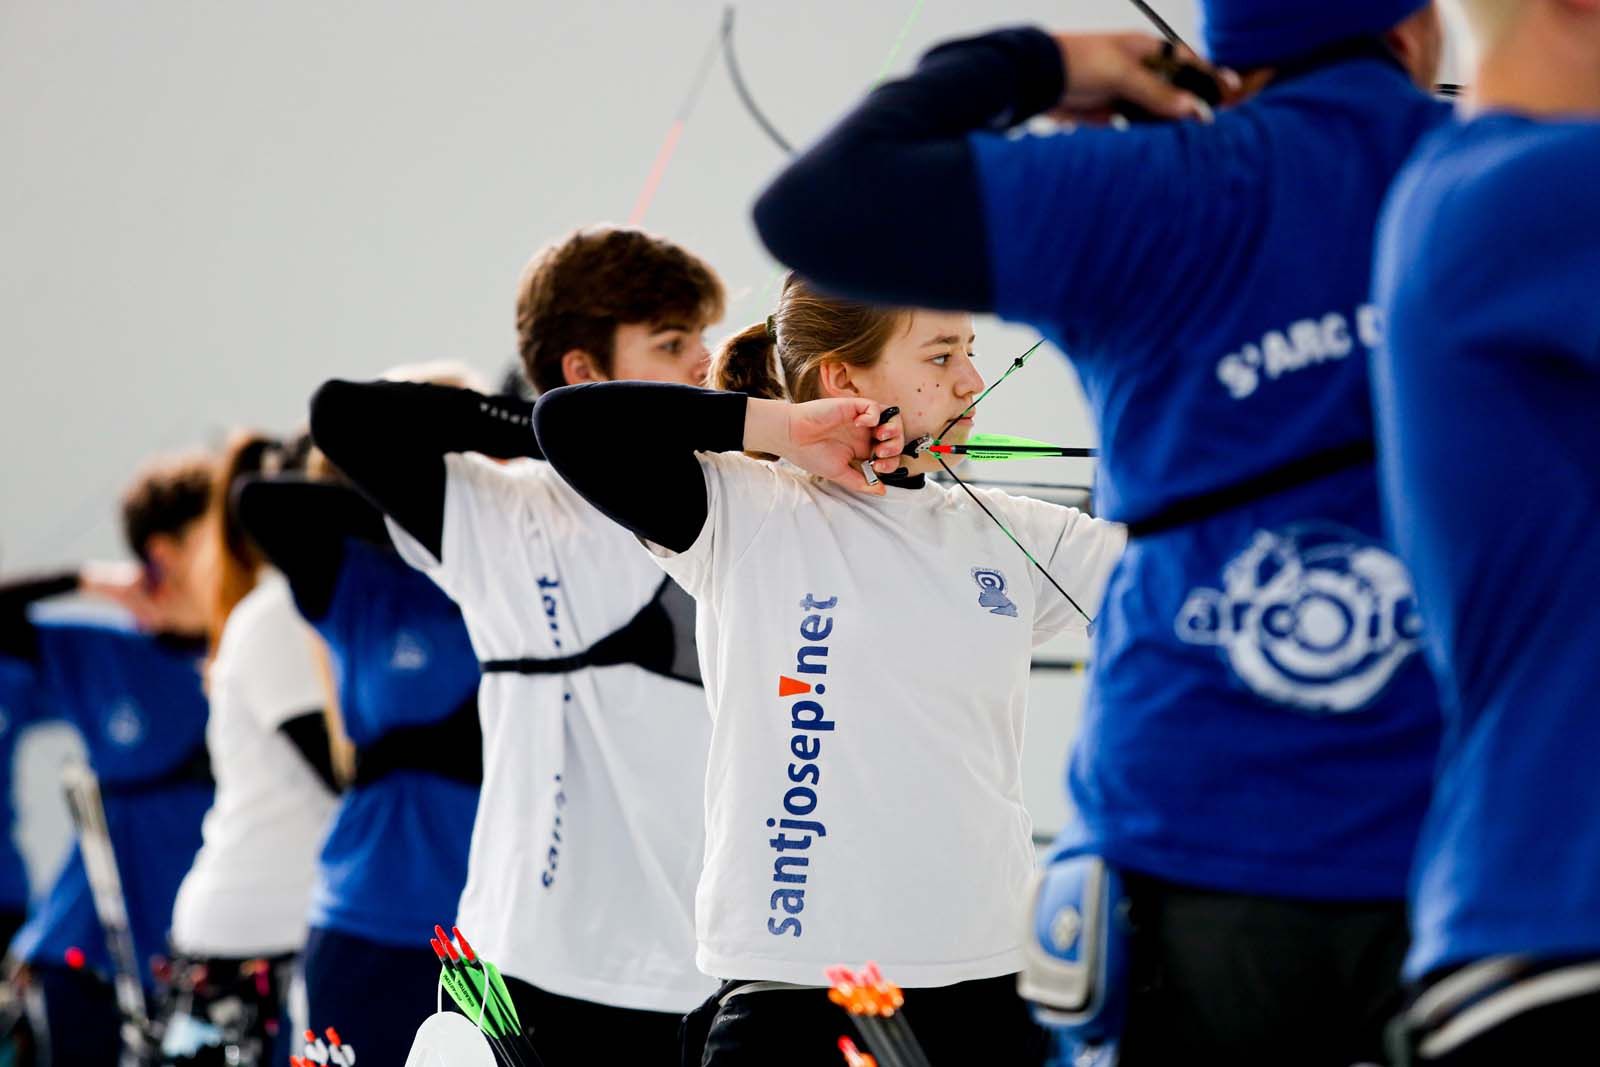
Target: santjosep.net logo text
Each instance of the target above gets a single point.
(808, 721)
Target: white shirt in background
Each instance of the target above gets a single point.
(249, 889)
(588, 837)
(866, 661)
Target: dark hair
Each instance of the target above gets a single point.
(513, 382)
(165, 497)
(782, 358)
(575, 293)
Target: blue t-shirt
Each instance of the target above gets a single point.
(1488, 404)
(17, 711)
(1257, 721)
(137, 701)
(395, 860)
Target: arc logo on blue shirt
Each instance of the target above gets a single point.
(992, 591)
(1314, 616)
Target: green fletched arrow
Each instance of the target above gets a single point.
(987, 447)
(991, 447)
(479, 991)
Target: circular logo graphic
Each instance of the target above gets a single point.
(1316, 617)
(992, 591)
(125, 724)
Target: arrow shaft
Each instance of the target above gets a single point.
(1017, 450)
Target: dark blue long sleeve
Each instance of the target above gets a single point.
(390, 440)
(18, 638)
(667, 506)
(886, 206)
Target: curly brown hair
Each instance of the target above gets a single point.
(576, 292)
(165, 497)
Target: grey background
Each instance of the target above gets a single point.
(206, 208)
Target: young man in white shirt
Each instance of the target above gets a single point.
(588, 839)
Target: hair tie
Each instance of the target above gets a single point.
(772, 328)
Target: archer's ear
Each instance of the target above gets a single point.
(578, 366)
(836, 379)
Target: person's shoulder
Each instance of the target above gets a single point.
(82, 621)
(1476, 185)
(504, 475)
(1011, 507)
(262, 618)
(1523, 169)
(739, 469)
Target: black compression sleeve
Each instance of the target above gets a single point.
(18, 638)
(886, 207)
(390, 439)
(628, 448)
(308, 733)
(302, 526)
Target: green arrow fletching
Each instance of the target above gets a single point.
(989, 447)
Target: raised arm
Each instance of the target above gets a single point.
(302, 526)
(890, 205)
(18, 638)
(390, 439)
(628, 447)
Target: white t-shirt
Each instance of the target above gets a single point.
(250, 886)
(588, 837)
(866, 661)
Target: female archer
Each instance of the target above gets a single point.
(863, 795)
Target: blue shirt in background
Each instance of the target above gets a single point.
(395, 860)
(1488, 401)
(17, 711)
(1257, 720)
(138, 704)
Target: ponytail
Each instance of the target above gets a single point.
(230, 559)
(782, 358)
(747, 363)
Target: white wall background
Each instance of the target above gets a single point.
(206, 208)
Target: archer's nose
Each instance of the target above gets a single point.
(968, 381)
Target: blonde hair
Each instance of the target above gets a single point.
(230, 561)
(782, 358)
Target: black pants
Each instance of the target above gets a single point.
(1225, 978)
(10, 923)
(581, 1033)
(342, 971)
(74, 1018)
(981, 1022)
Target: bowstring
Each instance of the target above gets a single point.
(746, 98)
(1016, 365)
(1012, 537)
